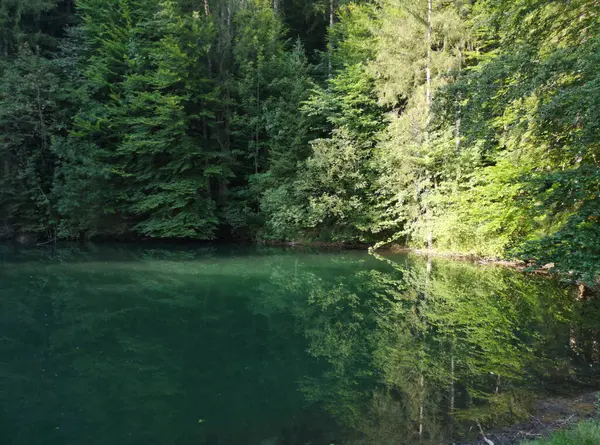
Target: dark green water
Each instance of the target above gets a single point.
(136, 345)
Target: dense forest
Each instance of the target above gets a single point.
(466, 126)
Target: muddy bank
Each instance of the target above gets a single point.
(549, 416)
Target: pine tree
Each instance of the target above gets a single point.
(331, 196)
(421, 44)
(268, 135)
(145, 126)
(166, 161)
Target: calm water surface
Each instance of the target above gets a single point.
(134, 345)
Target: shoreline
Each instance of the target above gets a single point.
(551, 415)
(546, 270)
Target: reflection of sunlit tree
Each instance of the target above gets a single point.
(413, 349)
(484, 326)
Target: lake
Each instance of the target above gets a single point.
(124, 345)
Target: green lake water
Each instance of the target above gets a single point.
(141, 345)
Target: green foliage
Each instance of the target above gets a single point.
(331, 196)
(584, 433)
(468, 127)
(140, 125)
(29, 114)
(271, 82)
(525, 114)
(21, 23)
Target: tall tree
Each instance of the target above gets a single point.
(525, 116)
(29, 115)
(147, 163)
(331, 196)
(420, 45)
(32, 111)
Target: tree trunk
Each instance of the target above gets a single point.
(229, 16)
(452, 384)
(457, 134)
(331, 23)
(257, 147)
(452, 393)
(429, 233)
(421, 407)
(428, 64)
(428, 102)
(457, 101)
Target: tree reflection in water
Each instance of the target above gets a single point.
(131, 345)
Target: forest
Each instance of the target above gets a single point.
(466, 126)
